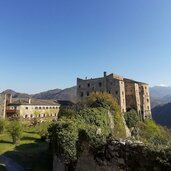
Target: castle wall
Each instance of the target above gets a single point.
(129, 93)
(145, 101)
(110, 84)
(2, 105)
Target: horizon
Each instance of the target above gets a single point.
(47, 45)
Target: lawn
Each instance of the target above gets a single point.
(32, 153)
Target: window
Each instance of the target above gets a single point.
(79, 86)
(88, 85)
(116, 92)
(82, 94)
(100, 84)
(26, 108)
(36, 107)
(47, 108)
(40, 108)
(88, 93)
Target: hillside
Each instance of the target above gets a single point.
(160, 92)
(47, 94)
(162, 115)
(160, 95)
(68, 94)
(16, 94)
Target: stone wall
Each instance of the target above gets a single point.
(124, 156)
(2, 105)
(120, 156)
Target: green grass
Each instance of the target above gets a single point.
(31, 153)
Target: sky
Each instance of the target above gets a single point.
(47, 44)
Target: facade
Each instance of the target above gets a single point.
(33, 108)
(130, 94)
(2, 105)
(5, 99)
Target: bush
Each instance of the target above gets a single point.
(42, 130)
(107, 101)
(2, 125)
(131, 118)
(154, 134)
(15, 130)
(64, 135)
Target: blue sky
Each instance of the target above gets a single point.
(46, 44)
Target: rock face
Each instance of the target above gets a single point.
(123, 156)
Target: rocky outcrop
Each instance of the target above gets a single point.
(124, 156)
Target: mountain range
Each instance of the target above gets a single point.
(160, 95)
(68, 94)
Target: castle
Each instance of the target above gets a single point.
(130, 94)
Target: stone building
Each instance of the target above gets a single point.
(33, 108)
(130, 94)
(5, 99)
(2, 105)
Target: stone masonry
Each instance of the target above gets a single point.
(130, 94)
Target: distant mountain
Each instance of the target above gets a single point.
(160, 95)
(68, 94)
(47, 94)
(16, 94)
(159, 92)
(162, 115)
(58, 94)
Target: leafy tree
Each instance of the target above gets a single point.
(107, 101)
(64, 136)
(131, 118)
(42, 130)
(15, 130)
(2, 125)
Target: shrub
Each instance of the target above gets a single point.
(107, 101)
(2, 125)
(64, 135)
(131, 118)
(15, 130)
(42, 130)
(154, 134)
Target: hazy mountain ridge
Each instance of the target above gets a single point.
(162, 114)
(57, 94)
(160, 95)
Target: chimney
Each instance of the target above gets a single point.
(29, 100)
(105, 74)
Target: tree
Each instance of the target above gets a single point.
(107, 101)
(2, 125)
(15, 130)
(131, 118)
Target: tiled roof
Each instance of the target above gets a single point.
(34, 102)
